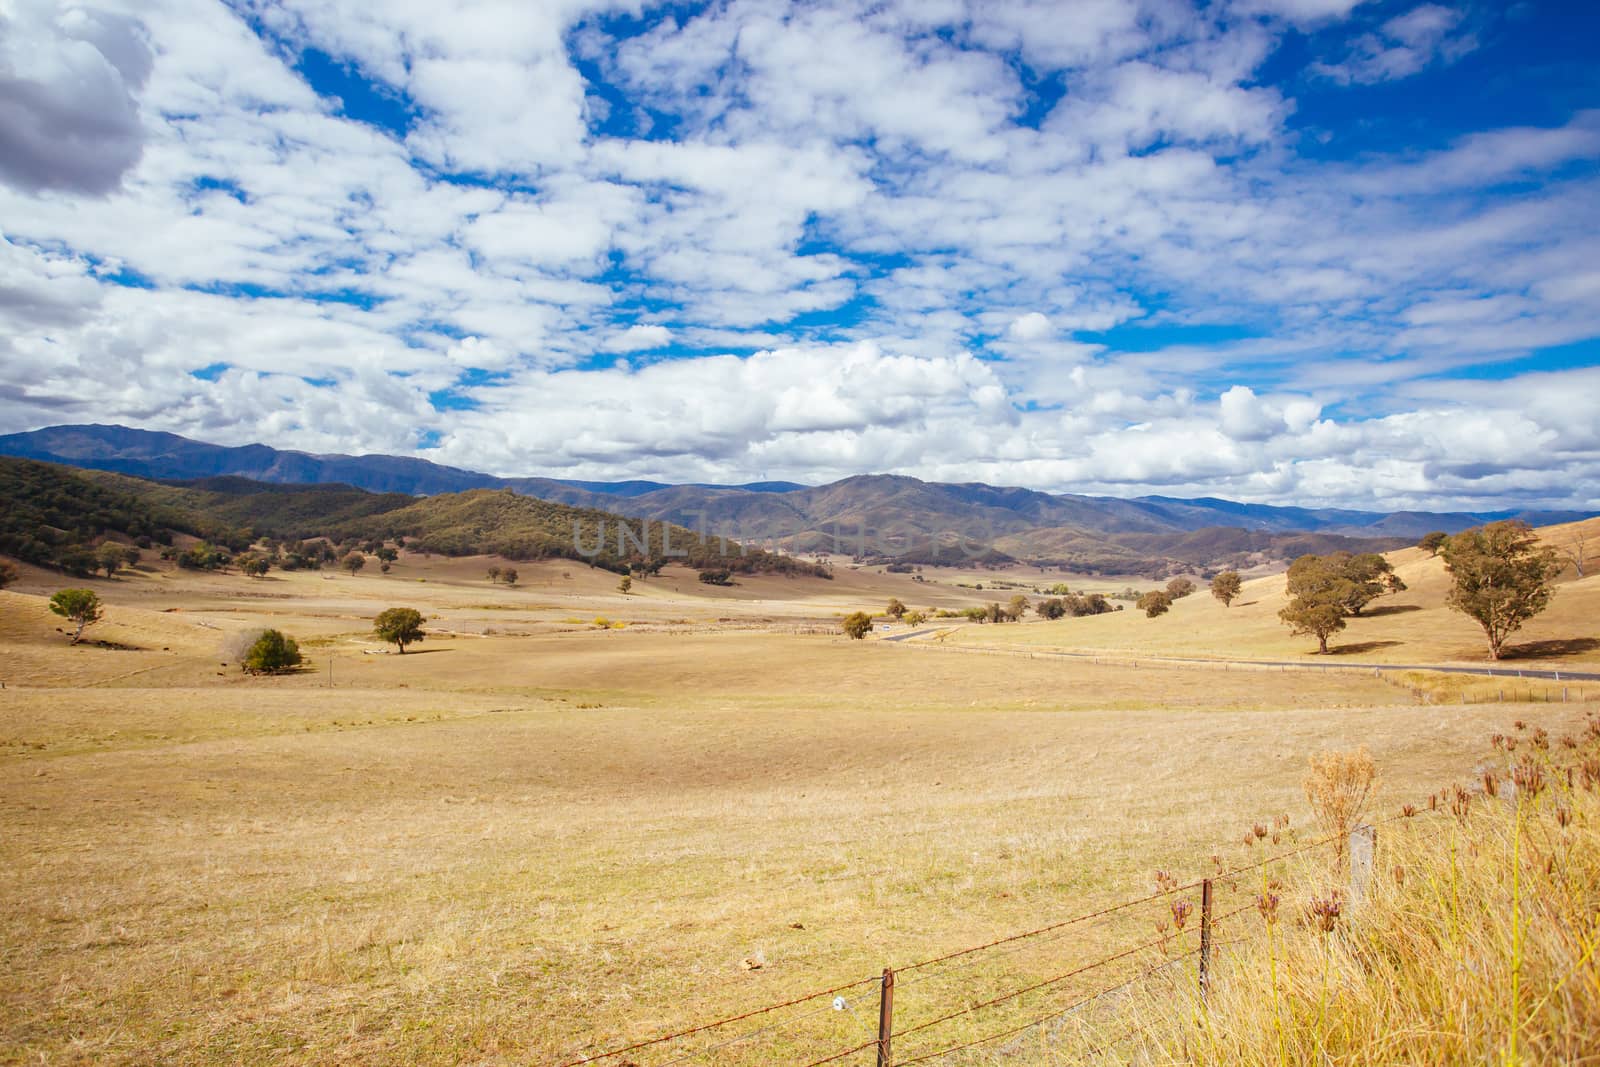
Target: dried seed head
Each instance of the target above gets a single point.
(1409, 810)
(1564, 817)
(1491, 783)
(1267, 905)
(1529, 777)
(1325, 911)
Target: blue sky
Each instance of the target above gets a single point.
(1293, 251)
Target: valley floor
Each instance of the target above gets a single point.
(532, 837)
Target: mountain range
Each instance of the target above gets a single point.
(873, 516)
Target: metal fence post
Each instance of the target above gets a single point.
(886, 1018)
(1205, 939)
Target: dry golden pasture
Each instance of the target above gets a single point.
(520, 845)
(1413, 627)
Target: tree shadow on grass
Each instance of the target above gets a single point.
(1569, 646)
(1389, 609)
(1361, 646)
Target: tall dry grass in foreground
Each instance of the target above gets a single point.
(1475, 943)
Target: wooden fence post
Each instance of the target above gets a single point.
(886, 1018)
(1205, 939)
(1363, 845)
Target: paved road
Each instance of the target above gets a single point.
(1494, 672)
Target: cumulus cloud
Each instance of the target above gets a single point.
(640, 337)
(69, 78)
(1110, 272)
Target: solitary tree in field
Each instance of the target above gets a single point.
(1575, 550)
(1433, 542)
(399, 626)
(1179, 588)
(272, 653)
(625, 584)
(1017, 608)
(915, 618)
(895, 608)
(509, 576)
(8, 574)
(494, 575)
(111, 557)
(80, 606)
(1226, 587)
(255, 566)
(857, 625)
(353, 563)
(1500, 576)
(1319, 588)
(1156, 602)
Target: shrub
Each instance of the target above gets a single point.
(1154, 603)
(857, 625)
(272, 653)
(720, 576)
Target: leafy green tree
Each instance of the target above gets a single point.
(80, 606)
(110, 557)
(1433, 542)
(494, 575)
(1370, 575)
(1226, 587)
(1059, 589)
(915, 618)
(255, 566)
(1156, 602)
(131, 555)
(1320, 587)
(625, 584)
(857, 625)
(353, 563)
(509, 576)
(399, 626)
(387, 555)
(1179, 588)
(8, 573)
(272, 653)
(1017, 607)
(717, 576)
(1501, 577)
(895, 608)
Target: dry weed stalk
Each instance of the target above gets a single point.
(1339, 787)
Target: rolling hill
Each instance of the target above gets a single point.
(866, 516)
(52, 513)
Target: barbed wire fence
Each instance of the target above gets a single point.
(1193, 915)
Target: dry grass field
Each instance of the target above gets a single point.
(538, 836)
(1409, 627)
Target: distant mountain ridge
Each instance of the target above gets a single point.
(865, 515)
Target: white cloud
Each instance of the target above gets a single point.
(640, 337)
(764, 166)
(1404, 45)
(1030, 327)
